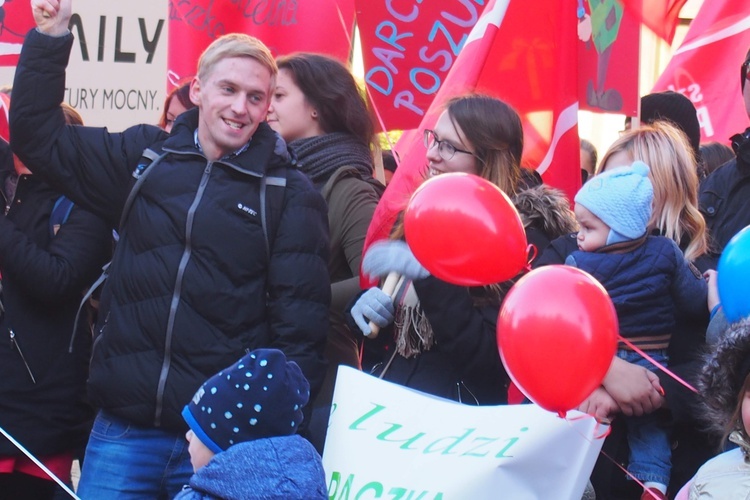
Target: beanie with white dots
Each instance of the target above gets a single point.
(259, 396)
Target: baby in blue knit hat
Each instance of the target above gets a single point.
(242, 438)
(614, 207)
(650, 282)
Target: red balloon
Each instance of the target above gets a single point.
(465, 230)
(557, 334)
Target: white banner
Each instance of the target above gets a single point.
(388, 441)
(117, 72)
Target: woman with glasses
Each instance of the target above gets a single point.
(318, 110)
(440, 338)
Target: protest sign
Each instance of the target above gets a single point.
(408, 48)
(524, 54)
(115, 77)
(323, 27)
(718, 39)
(388, 441)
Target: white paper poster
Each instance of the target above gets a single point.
(387, 441)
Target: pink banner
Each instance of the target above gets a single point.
(15, 21)
(706, 68)
(323, 26)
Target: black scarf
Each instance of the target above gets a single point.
(319, 157)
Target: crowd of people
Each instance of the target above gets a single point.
(233, 293)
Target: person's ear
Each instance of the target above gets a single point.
(195, 91)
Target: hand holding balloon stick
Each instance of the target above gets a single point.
(460, 228)
(389, 288)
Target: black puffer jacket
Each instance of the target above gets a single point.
(190, 287)
(725, 203)
(43, 280)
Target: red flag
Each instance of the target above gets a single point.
(4, 110)
(323, 26)
(660, 16)
(608, 57)
(15, 21)
(524, 53)
(706, 67)
(408, 49)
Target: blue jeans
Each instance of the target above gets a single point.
(124, 461)
(648, 435)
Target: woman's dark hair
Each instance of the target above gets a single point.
(735, 422)
(330, 88)
(713, 155)
(182, 94)
(494, 130)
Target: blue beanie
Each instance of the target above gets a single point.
(259, 396)
(622, 199)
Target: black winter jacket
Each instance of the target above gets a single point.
(191, 288)
(725, 203)
(650, 284)
(43, 280)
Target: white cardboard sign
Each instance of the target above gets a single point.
(388, 441)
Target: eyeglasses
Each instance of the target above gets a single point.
(744, 73)
(446, 150)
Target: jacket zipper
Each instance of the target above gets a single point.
(176, 293)
(14, 343)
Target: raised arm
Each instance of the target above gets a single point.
(89, 165)
(52, 16)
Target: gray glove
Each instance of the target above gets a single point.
(374, 305)
(393, 257)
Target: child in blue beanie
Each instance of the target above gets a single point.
(649, 281)
(243, 442)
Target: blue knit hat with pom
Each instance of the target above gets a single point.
(622, 199)
(259, 396)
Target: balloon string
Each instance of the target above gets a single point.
(531, 251)
(658, 365)
(599, 424)
(601, 452)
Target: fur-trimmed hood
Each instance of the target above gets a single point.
(546, 209)
(721, 378)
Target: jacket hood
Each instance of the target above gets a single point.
(547, 210)
(723, 375)
(283, 468)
